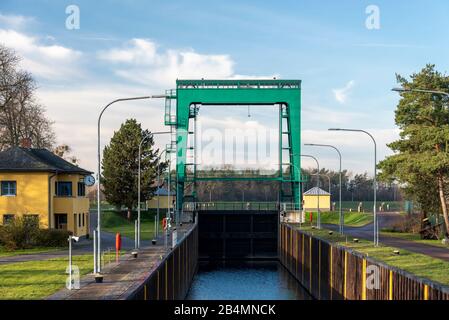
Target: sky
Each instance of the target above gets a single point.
(346, 58)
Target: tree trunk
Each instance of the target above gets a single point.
(129, 214)
(443, 203)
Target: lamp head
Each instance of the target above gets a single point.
(400, 90)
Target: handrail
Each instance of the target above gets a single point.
(237, 206)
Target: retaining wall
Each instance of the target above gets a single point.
(333, 272)
(171, 278)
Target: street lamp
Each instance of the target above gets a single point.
(158, 190)
(76, 239)
(342, 218)
(404, 90)
(376, 227)
(150, 134)
(317, 187)
(329, 180)
(299, 191)
(97, 268)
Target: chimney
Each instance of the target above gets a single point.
(25, 143)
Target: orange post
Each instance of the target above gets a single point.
(118, 245)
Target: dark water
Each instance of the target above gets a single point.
(245, 281)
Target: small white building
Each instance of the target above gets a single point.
(165, 199)
(311, 199)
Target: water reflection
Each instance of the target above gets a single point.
(240, 280)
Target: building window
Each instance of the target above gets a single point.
(81, 189)
(8, 218)
(63, 188)
(79, 220)
(61, 221)
(9, 188)
(84, 219)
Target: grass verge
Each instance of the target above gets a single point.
(418, 264)
(352, 219)
(413, 237)
(114, 222)
(38, 279)
(9, 253)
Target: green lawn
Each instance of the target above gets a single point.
(418, 264)
(38, 279)
(368, 205)
(114, 222)
(352, 219)
(8, 253)
(413, 237)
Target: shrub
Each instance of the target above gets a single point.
(23, 233)
(52, 238)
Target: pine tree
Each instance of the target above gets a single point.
(421, 159)
(120, 166)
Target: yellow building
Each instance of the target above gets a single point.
(164, 199)
(311, 199)
(37, 184)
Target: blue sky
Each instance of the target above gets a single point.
(140, 47)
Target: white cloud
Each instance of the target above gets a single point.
(341, 94)
(14, 21)
(46, 61)
(141, 60)
(317, 114)
(75, 110)
(75, 107)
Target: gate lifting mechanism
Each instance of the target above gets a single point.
(182, 104)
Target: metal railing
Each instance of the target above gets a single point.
(231, 206)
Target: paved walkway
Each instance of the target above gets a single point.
(120, 279)
(388, 220)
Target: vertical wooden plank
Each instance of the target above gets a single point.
(345, 274)
(166, 281)
(158, 280)
(390, 285)
(310, 263)
(302, 259)
(331, 272)
(363, 279)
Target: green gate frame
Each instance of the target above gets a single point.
(190, 93)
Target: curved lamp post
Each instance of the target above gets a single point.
(299, 190)
(97, 267)
(318, 223)
(376, 226)
(149, 135)
(158, 184)
(342, 218)
(404, 90)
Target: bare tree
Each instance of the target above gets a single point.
(21, 117)
(64, 151)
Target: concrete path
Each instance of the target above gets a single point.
(85, 246)
(120, 279)
(387, 220)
